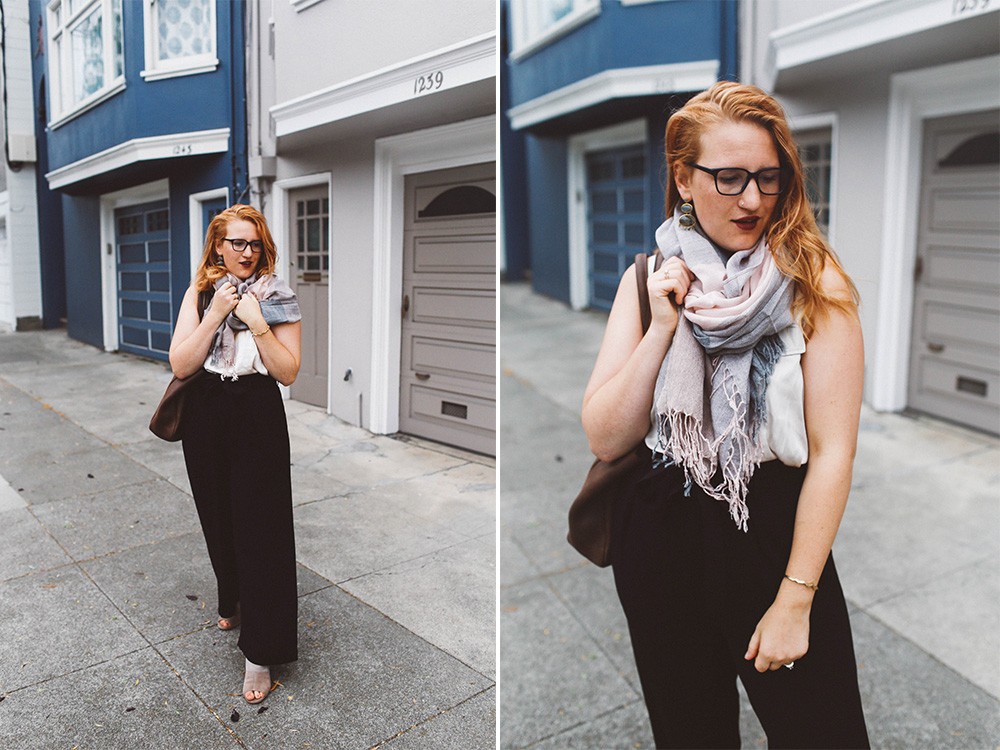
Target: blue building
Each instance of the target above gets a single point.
(142, 136)
(589, 87)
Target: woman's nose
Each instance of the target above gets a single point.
(750, 197)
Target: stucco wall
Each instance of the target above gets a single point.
(337, 40)
(351, 164)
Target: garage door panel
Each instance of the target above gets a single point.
(963, 267)
(956, 324)
(960, 380)
(451, 254)
(459, 359)
(470, 307)
(969, 210)
(448, 407)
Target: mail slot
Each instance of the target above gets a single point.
(450, 409)
(312, 276)
(971, 385)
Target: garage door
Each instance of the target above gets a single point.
(142, 246)
(448, 359)
(955, 356)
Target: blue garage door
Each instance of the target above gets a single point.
(142, 246)
(617, 218)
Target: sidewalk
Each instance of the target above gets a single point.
(918, 554)
(107, 598)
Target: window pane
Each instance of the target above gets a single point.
(184, 29)
(117, 35)
(88, 63)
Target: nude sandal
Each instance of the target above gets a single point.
(230, 623)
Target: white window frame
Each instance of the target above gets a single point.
(157, 69)
(60, 66)
(824, 121)
(528, 40)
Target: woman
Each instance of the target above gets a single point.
(248, 339)
(752, 366)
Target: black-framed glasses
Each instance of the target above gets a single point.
(240, 245)
(734, 180)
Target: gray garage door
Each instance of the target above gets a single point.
(448, 359)
(955, 356)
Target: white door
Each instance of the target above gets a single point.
(309, 277)
(955, 354)
(448, 358)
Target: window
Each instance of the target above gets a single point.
(535, 23)
(180, 38)
(814, 151)
(86, 62)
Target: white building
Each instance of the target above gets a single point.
(372, 150)
(20, 264)
(896, 105)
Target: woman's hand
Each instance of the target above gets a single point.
(782, 635)
(248, 310)
(223, 302)
(667, 289)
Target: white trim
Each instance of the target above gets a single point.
(197, 235)
(301, 5)
(140, 149)
(625, 134)
(88, 104)
(151, 191)
(864, 24)
(455, 145)
(914, 96)
(466, 62)
(616, 83)
(280, 225)
(525, 46)
(157, 69)
(211, 64)
(818, 121)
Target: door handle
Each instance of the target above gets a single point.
(422, 375)
(935, 347)
(406, 305)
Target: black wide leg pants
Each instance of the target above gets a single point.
(238, 461)
(693, 587)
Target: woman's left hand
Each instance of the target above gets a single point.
(248, 310)
(781, 636)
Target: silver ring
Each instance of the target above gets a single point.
(790, 665)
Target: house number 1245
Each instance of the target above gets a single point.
(429, 82)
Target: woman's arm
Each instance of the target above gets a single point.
(619, 396)
(280, 347)
(833, 375)
(192, 337)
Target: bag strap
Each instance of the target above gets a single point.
(641, 275)
(203, 299)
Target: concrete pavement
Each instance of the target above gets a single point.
(918, 553)
(107, 599)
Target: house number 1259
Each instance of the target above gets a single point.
(429, 82)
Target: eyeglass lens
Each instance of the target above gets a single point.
(734, 181)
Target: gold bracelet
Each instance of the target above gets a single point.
(808, 584)
(256, 335)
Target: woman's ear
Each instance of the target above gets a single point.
(682, 178)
